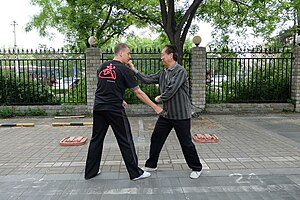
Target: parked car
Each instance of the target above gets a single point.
(66, 83)
(218, 79)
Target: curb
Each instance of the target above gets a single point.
(17, 124)
(72, 124)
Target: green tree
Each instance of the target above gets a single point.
(173, 19)
(236, 17)
(78, 19)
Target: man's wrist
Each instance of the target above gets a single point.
(135, 70)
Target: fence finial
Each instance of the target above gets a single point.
(92, 41)
(197, 40)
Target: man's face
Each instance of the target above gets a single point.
(125, 55)
(166, 58)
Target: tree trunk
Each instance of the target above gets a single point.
(177, 31)
(179, 46)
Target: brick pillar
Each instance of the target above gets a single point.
(296, 79)
(93, 61)
(197, 77)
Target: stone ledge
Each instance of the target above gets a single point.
(144, 110)
(250, 108)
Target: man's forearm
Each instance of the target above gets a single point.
(145, 99)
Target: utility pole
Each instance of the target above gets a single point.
(16, 63)
(15, 35)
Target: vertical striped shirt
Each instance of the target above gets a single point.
(174, 90)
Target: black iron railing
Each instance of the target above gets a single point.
(256, 75)
(30, 77)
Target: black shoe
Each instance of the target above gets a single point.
(87, 178)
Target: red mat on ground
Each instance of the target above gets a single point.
(73, 141)
(205, 138)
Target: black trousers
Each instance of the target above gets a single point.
(160, 133)
(121, 128)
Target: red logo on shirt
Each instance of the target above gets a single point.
(109, 72)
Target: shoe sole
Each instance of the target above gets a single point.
(141, 177)
(197, 176)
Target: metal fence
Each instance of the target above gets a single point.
(146, 61)
(56, 77)
(241, 76)
(30, 77)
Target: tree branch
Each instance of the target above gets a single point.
(163, 11)
(103, 25)
(145, 18)
(189, 15)
(238, 3)
(171, 21)
(188, 24)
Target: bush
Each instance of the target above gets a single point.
(7, 112)
(15, 90)
(35, 112)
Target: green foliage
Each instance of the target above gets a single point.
(265, 85)
(15, 89)
(108, 20)
(67, 110)
(136, 42)
(172, 19)
(266, 80)
(35, 112)
(7, 112)
(79, 19)
(237, 17)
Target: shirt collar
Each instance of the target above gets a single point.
(172, 67)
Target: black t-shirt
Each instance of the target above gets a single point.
(113, 78)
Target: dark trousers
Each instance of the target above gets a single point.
(160, 133)
(121, 128)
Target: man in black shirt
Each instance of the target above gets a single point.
(113, 78)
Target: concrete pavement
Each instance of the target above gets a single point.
(257, 157)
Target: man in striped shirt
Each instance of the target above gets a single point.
(174, 95)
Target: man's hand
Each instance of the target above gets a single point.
(124, 104)
(130, 64)
(157, 99)
(158, 110)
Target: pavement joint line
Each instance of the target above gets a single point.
(17, 125)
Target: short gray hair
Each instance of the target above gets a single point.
(120, 47)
